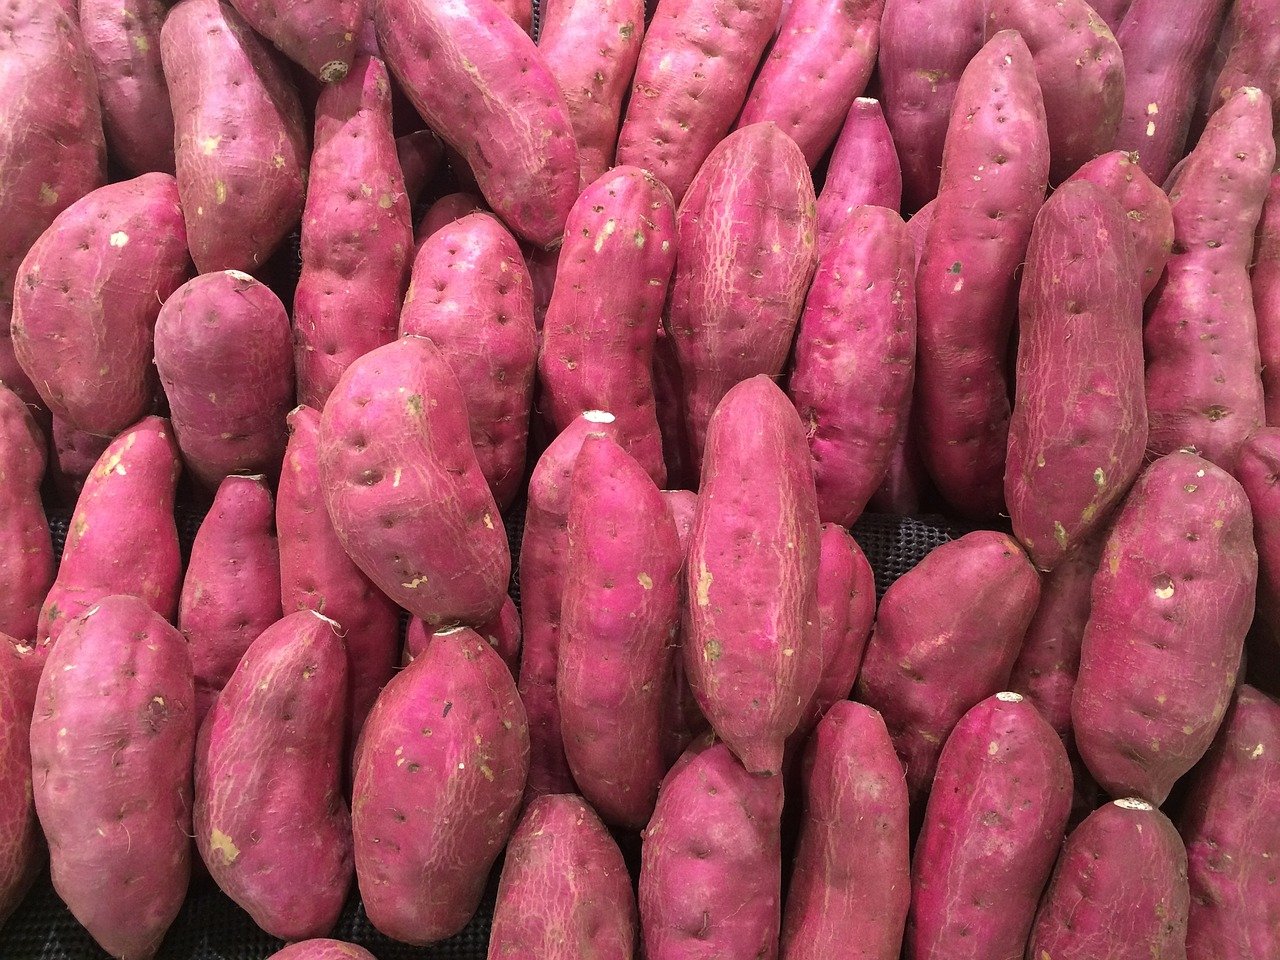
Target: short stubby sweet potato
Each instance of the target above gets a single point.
(322, 949)
(931, 659)
(448, 733)
(87, 296)
(225, 355)
(752, 649)
(1265, 277)
(241, 142)
(1258, 471)
(21, 849)
(1172, 601)
(319, 35)
(26, 547)
(864, 171)
(112, 743)
(446, 210)
(564, 893)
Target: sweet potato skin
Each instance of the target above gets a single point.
(450, 207)
(322, 949)
(114, 793)
(26, 548)
(1258, 471)
(502, 633)
(1172, 601)
(684, 721)
(864, 171)
(320, 35)
(21, 847)
(1265, 279)
(1252, 56)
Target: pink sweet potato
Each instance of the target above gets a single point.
(668, 399)
(752, 649)
(357, 234)
(480, 83)
(322, 949)
(73, 454)
(711, 861)
(854, 360)
(86, 299)
(1204, 389)
(319, 35)
(421, 156)
(1233, 836)
(225, 355)
(231, 591)
(1119, 890)
(241, 142)
(1266, 298)
(1172, 600)
(1079, 427)
(471, 295)
(404, 489)
(447, 734)
(565, 893)
(21, 850)
(111, 754)
(502, 633)
(851, 887)
(691, 81)
(864, 171)
(598, 337)
(1252, 54)
(26, 549)
(683, 720)
(448, 209)
(1258, 471)
(991, 833)
(122, 538)
(591, 48)
(993, 182)
(932, 658)
(123, 40)
(270, 820)
(745, 255)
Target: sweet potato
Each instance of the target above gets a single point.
(123, 40)
(854, 361)
(931, 659)
(1119, 890)
(357, 233)
(991, 833)
(1172, 600)
(322, 949)
(471, 295)
(122, 538)
(598, 337)
(752, 649)
(745, 255)
(241, 142)
(26, 549)
(72, 456)
(1252, 55)
(231, 591)
(86, 299)
(502, 633)
(319, 35)
(683, 720)
(1079, 427)
(421, 156)
(448, 733)
(225, 355)
(21, 850)
(111, 754)
(1203, 384)
(1232, 835)
(864, 171)
(711, 861)
(691, 81)
(1266, 299)
(1258, 471)
(404, 489)
(448, 209)
(993, 182)
(591, 48)
(565, 893)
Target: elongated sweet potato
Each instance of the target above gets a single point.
(1252, 54)
(446, 210)
(319, 35)
(1258, 471)
(1265, 279)
(598, 337)
(322, 949)
(931, 659)
(683, 720)
(752, 649)
(111, 753)
(864, 171)
(993, 183)
(449, 726)
(21, 849)
(565, 893)
(357, 234)
(26, 549)
(1172, 600)
(854, 362)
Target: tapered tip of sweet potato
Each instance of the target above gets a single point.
(598, 416)
(1007, 696)
(1133, 803)
(337, 627)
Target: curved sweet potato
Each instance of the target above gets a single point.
(864, 171)
(26, 548)
(320, 35)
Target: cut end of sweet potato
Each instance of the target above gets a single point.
(1133, 803)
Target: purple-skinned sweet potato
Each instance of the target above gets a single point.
(564, 893)
(319, 35)
(21, 848)
(421, 156)
(683, 720)
(1119, 890)
(852, 884)
(1172, 600)
(448, 209)
(357, 233)
(471, 295)
(73, 452)
(404, 489)
(668, 399)
(1265, 280)
(691, 81)
(1079, 428)
(225, 355)
(270, 820)
(931, 659)
(991, 833)
(752, 649)
(854, 359)
(112, 743)
(502, 633)
(745, 255)
(26, 548)
(1258, 471)
(864, 171)
(322, 949)
(87, 296)
(231, 590)
(1252, 54)
(447, 734)
(122, 538)
(598, 338)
